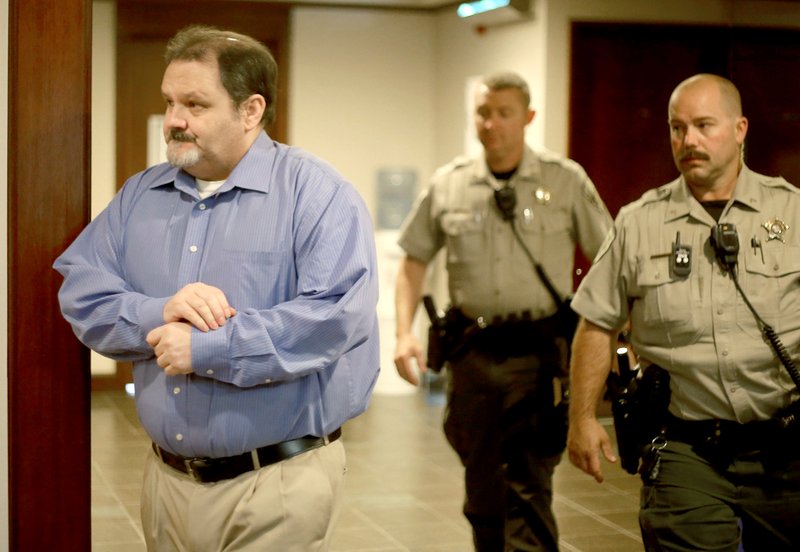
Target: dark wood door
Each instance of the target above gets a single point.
(622, 77)
(49, 89)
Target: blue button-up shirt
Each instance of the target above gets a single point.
(290, 244)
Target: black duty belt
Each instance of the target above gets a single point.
(733, 436)
(210, 470)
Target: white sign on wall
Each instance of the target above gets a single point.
(156, 146)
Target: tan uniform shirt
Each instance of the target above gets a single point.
(489, 274)
(698, 327)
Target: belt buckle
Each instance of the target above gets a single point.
(191, 465)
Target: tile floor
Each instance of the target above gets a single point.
(404, 485)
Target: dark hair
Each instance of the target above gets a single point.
(506, 80)
(246, 66)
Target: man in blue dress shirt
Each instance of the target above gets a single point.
(240, 279)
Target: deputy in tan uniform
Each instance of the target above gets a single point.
(722, 469)
(500, 417)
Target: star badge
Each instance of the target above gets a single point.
(775, 228)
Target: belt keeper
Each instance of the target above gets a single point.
(256, 461)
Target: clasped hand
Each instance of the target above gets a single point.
(200, 305)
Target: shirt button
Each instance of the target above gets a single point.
(179, 436)
(267, 380)
(193, 248)
(725, 352)
(209, 372)
(176, 390)
(202, 206)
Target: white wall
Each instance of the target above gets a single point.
(104, 130)
(362, 85)
(4, 544)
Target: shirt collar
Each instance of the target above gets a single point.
(682, 203)
(529, 168)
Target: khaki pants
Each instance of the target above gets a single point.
(285, 507)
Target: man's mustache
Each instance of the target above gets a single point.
(180, 136)
(686, 156)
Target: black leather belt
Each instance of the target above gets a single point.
(731, 435)
(210, 470)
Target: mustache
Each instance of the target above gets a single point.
(693, 154)
(180, 136)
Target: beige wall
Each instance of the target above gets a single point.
(104, 185)
(3, 276)
(362, 85)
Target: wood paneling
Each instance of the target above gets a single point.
(48, 204)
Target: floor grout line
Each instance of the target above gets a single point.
(119, 502)
(597, 517)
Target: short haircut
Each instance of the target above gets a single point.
(506, 80)
(246, 66)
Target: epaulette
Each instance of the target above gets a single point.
(657, 194)
(652, 195)
(777, 182)
(546, 156)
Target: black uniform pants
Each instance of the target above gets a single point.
(501, 421)
(697, 502)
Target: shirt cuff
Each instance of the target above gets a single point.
(210, 352)
(151, 314)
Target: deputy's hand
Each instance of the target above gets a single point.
(172, 344)
(204, 307)
(585, 439)
(408, 358)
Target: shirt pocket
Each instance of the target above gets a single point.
(767, 282)
(549, 221)
(254, 279)
(464, 235)
(669, 305)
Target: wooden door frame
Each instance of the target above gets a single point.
(49, 90)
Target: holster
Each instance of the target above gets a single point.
(639, 405)
(448, 335)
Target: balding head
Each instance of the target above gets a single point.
(729, 97)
